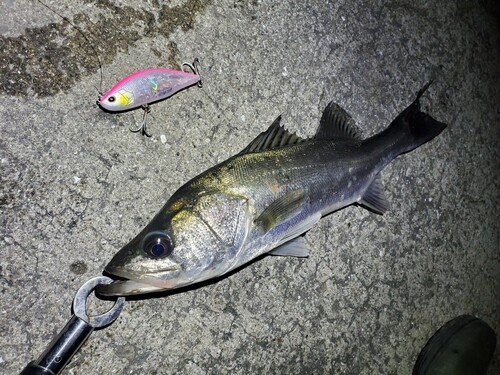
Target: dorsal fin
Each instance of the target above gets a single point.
(336, 124)
(274, 137)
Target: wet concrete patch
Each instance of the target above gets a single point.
(50, 59)
(79, 267)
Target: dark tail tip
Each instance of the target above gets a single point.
(423, 127)
(423, 89)
(419, 126)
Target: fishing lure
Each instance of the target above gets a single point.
(148, 86)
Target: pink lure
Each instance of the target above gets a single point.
(145, 87)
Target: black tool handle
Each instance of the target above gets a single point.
(75, 333)
(61, 349)
(33, 369)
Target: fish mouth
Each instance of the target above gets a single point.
(135, 283)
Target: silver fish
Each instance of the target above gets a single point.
(263, 199)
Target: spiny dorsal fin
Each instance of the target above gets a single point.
(275, 136)
(280, 210)
(374, 197)
(336, 124)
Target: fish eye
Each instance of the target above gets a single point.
(111, 99)
(158, 245)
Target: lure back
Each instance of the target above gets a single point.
(145, 87)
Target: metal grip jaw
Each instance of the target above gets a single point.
(80, 304)
(62, 348)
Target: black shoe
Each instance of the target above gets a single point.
(463, 346)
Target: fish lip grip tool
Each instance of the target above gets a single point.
(76, 332)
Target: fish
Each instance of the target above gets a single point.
(263, 199)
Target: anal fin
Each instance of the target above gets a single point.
(374, 197)
(294, 248)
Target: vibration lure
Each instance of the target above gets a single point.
(148, 86)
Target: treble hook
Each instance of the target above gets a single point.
(142, 128)
(195, 67)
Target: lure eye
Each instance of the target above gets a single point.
(111, 99)
(158, 245)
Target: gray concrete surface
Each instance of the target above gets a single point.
(76, 185)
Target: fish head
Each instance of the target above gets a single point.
(188, 241)
(116, 100)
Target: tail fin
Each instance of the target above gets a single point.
(418, 127)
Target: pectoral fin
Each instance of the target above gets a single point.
(294, 248)
(280, 210)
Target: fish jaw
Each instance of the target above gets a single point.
(141, 274)
(136, 283)
(128, 283)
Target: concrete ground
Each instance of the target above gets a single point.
(76, 184)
